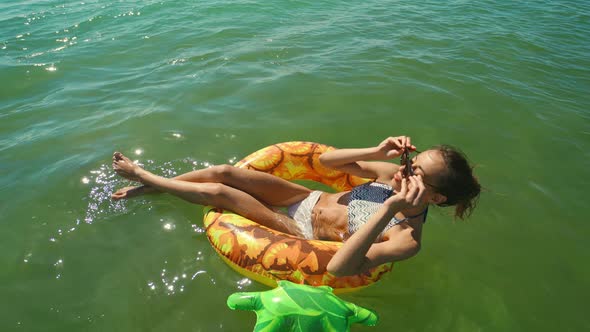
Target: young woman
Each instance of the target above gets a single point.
(379, 222)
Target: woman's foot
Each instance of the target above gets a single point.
(125, 167)
(129, 192)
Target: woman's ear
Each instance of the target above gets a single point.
(438, 198)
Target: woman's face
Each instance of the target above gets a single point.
(428, 164)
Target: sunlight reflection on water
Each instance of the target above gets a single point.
(104, 182)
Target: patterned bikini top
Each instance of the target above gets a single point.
(365, 200)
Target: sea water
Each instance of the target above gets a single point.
(182, 85)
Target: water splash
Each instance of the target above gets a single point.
(104, 182)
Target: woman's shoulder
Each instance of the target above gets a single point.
(408, 231)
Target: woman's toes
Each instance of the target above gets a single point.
(127, 160)
(121, 193)
(127, 192)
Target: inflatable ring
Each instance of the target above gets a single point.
(267, 255)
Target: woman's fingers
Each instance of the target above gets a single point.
(394, 146)
(400, 142)
(416, 190)
(412, 190)
(411, 193)
(404, 188)
(421, 190)
(409, 144)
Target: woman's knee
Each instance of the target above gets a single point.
(222, 172)
(214, 193)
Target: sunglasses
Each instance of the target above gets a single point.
(405, 160)
(408, 171)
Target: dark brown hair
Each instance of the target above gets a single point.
(458, 183)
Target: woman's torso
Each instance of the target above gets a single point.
(330, 218)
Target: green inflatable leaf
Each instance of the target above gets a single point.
(293, 307)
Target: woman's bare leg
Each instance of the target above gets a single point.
(208, 193)
(267, 188)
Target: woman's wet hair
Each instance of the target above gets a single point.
(458, 183)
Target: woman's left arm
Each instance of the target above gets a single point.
(355, 161)
(360, 252)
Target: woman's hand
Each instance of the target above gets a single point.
(411, 194)
(392, 147)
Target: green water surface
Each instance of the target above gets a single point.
(181, 85)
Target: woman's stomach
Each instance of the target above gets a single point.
(329, 217)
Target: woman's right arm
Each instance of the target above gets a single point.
(353, 161)
(360, 252)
